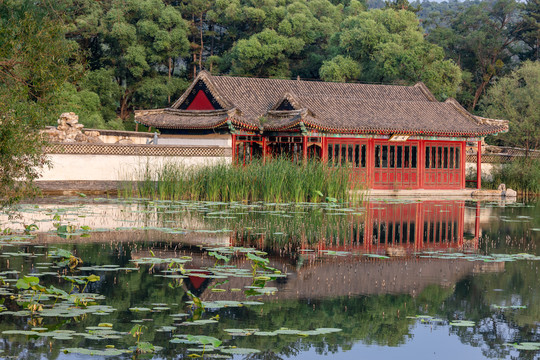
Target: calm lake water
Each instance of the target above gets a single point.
(388, 279)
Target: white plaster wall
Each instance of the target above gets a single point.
(487, 169)
(113, 139)
(73, 167)
(195, 142)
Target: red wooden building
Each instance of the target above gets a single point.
(392, 137)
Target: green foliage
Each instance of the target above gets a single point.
(205, 340)
(85, 103)
(64, 257)
(390, 47)
(516, 98)
(530, 30)
(141, 52)
(265, 54)
(128, 45)
(27, 282)
(102, 83)
(35, 60)
(289, 37)
(402, 5)
(277, 180)
(481, 39)
(341, 69)
(522, 175)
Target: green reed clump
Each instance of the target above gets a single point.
(276, 180)
(522, 175)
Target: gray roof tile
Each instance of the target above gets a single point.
(334, 107)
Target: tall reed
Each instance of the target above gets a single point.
(277, 180)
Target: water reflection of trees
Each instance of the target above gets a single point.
(475, 296)
(379, 319)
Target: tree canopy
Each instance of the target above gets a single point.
(389, 45)
(36, 60)
(515, 97)
(143, 53)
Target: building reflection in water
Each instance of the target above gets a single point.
(394, 229)
(414, 226)
(399, 230)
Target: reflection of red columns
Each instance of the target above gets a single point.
(231, 239)
(368, 228)
(461, 224)
(477, 226)
(419, 228)
(479, 166)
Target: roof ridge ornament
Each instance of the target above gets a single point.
(478, 119)
(428, 94)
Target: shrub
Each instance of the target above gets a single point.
(522, 175)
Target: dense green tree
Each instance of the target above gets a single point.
(515, 98)
(35, 61)
(301, 28)
(340, 68)
(195, 12)
(402, 5)
(264, 55)
(390, 47)
(530, 33)
(103, 83)
(139, 37)
(130, 48)
(482, 40)
(84, 103)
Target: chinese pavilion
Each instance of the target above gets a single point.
(392, 137)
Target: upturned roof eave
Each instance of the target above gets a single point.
(384, 131)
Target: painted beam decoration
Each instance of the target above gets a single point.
(391, 137)
(397, 137)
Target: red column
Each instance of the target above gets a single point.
(324, 150)
(421, 163)
(264, 148)
(370, 160)
(479, 166)
(463, 162)
(304, 148)
(233, 147)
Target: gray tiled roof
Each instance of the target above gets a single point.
(332, 107)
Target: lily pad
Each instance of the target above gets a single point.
(465, 323)
(94, 352)
(240, 351)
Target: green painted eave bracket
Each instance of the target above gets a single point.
(303, 128)
(231, 127)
